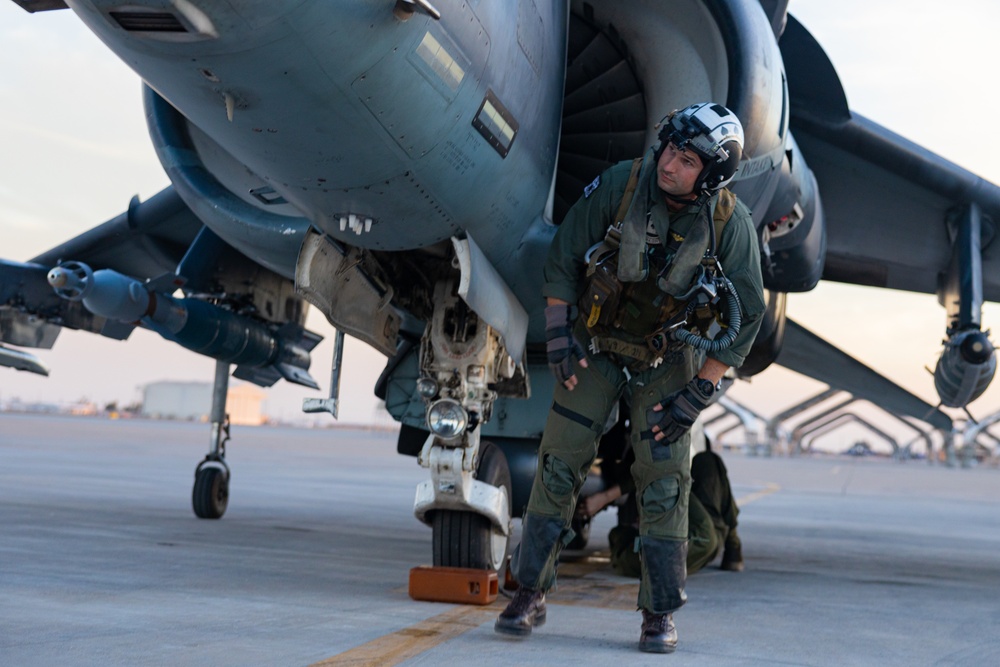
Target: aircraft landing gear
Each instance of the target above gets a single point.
(210, 495)
(464, 366)
(469, 539)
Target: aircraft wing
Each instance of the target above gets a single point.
(806, 353)
(127, 270)
(146, 241)
(886, 199)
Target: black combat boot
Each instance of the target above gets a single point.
(658, 633)
(732, 556)
(525, 611)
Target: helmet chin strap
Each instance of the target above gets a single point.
(690, 198)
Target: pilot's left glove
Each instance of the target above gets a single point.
(680, 411)
(561, 345)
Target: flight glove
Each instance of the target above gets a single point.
(561, 346)
(682, 409)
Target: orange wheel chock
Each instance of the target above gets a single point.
(453, 584)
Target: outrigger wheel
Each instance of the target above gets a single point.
(210, 496)
(468, 539)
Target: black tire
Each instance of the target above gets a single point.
(210, 496)
(467, 539)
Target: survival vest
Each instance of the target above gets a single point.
(641, 310)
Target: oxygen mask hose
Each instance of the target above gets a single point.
(735, 320)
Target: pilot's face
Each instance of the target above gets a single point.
(677, 171)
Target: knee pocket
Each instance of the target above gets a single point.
(557, 476)
(661, 497)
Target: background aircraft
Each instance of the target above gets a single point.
(581, 9)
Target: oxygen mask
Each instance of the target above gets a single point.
(704, 286)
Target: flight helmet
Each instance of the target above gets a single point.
(714, 133)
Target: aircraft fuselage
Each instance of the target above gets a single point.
(385, 133)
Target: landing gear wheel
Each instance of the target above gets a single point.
(467, 539)
(210, 496)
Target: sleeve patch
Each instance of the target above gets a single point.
(587, 191)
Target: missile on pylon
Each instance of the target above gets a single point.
(965, 368)
(262, 354)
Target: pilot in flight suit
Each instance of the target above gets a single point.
(666, 233)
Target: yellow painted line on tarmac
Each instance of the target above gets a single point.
(411, 641)
(757, 495)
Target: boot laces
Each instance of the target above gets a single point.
(524, 600)
(654, 623)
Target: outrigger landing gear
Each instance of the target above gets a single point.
(210, 495)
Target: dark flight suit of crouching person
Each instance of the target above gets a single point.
(583, 403)
(712, 514)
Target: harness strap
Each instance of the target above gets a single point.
(611, 345)
(724, 207)
(633, 181)
(632, 265)
(613, 237)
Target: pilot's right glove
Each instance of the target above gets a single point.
(679, 412)
(561, 345)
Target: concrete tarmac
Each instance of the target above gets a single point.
(102, 562)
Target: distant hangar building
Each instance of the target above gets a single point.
(192, 401)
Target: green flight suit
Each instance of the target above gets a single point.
(577, 418)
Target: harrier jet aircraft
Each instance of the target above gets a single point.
(402, 166)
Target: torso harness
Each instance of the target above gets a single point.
(652, 319)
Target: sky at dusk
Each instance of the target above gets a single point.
(74, 150)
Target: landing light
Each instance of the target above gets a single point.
(447, 418)
(427, 387)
